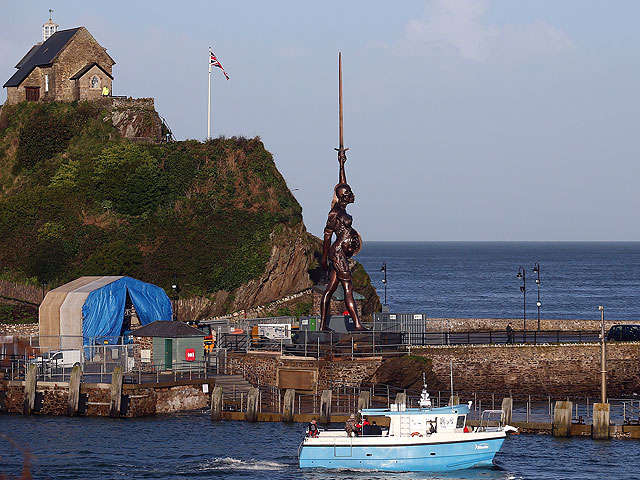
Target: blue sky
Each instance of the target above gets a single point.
(466, 120)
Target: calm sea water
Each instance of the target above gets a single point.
(478, 279)
(191, 446)
(440, 279)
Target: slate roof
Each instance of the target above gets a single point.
(167, 329)
(43, 55)
(86, 68)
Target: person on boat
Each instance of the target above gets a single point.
(337, 255)
(350, 426)
(364, 426)
(312, 429)
(375, 430)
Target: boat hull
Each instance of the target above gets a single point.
(418, 457)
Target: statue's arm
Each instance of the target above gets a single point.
(328, 233)
(325, 249)
(342, 158)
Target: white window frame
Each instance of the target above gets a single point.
(46, 82)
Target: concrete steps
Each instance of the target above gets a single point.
(232, 383)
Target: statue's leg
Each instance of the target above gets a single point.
(350, 303)
(325, 302)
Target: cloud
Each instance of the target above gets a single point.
(457, 28)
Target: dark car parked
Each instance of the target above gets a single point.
(624, 333)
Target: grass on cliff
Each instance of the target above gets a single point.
(18, 314)
(77, 199)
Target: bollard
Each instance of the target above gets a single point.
(116, 392)
(325, 407)
(600, 427)
(401, 398)
(455, 400)
(30, 383)
(74, 391)
(288, 405)
(562, 419)
(507, 410)
(252, 404)
(364, 400)
(216, 404)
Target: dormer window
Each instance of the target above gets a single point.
(95, 82)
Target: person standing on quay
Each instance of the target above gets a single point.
(510, 335)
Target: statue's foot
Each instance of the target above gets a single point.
(327, 329)
(360, 328)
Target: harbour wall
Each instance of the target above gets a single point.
(52, 398)
(519, 370)
(538, 370)
(271, 368)
(500, 324)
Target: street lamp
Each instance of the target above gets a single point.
(536, 269)
(384, 280)
(603, 359)
(44, 286)
(176, 295)
(523, 289)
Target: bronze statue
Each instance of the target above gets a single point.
(348, 241)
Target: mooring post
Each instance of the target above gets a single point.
(325, 407)
(30, 383)
(74, 391)
(562, 419)
(288, 405)
(116, 392)
(600, 427)
(364, 400)
(252, 404)
(507, 410)
(216, 404)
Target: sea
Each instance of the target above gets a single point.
(450, 279)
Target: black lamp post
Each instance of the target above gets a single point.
(384, 280)
(523, 289)
(176, 295)
(44, 286)
(536, 269)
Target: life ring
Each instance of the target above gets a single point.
(416, 434)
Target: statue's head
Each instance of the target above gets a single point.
(344, 193)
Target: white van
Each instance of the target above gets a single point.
(59, 359)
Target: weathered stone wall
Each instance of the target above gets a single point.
(181, 397)
(500, 324)
(336, 373)
(557, 370)
(82, 50)
(143, 399)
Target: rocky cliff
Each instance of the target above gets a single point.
(79, 197)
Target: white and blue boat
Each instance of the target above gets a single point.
(420, 439)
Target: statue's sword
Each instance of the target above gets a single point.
(341, 149)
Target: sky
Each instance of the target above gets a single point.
(507, 120)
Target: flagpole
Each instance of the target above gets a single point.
(209, 103)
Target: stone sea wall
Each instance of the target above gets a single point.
(329, 373)
(538, 370)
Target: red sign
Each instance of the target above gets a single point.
(190, 354)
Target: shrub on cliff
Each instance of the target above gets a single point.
(78, 199)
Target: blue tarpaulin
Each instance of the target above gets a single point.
(103, 311)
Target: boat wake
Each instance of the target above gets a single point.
(229, 463)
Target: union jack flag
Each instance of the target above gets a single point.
(214, 61)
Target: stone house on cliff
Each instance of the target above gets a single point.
(67, 65)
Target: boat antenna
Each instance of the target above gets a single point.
(451, 370)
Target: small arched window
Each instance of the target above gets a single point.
(95, 82)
